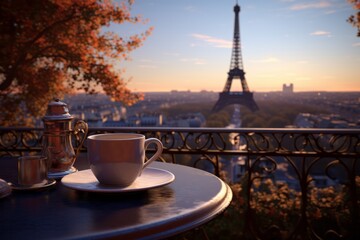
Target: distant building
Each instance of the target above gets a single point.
(307, 120)
(151, 120)
(138, 120)
(288, 88)
(303, 120)
(235, 169)
(120, 123)
(187, 120)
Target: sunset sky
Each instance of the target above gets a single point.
(304, 42)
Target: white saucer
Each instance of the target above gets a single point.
(149, 178)
(57, 175)
(47, 183)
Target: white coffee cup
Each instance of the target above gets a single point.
(119, 158)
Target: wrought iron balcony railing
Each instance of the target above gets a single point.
(289, 183)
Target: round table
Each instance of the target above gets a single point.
(192, 199)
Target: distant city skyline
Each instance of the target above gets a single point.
(306, 42)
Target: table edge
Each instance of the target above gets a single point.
(162, 229)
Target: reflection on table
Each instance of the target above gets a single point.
(58, 212)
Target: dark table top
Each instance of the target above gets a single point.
(58, 212)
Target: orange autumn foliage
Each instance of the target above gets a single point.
(52, 47)
(355, 18)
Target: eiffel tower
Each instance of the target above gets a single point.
(226, 97)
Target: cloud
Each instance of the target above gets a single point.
(312, 5)
(328, 77)
(302, 62)
(356, 44)
(147, 63)
(173, 54)
(148, 66)
(267, 60)
(196, 61)
(190, 8)
(303, 78)
(330, 12)
(321, 33)
(215, 42)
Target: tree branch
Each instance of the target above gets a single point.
(10, 72)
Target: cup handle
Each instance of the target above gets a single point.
(80, 132)
(158, 152)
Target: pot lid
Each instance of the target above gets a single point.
(57, 110)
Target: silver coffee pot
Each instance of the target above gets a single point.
(57, 139)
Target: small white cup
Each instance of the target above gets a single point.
(32, 170)
(119, 158)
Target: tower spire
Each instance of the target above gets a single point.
(236, 59)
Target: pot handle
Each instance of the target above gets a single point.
(80, 132)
